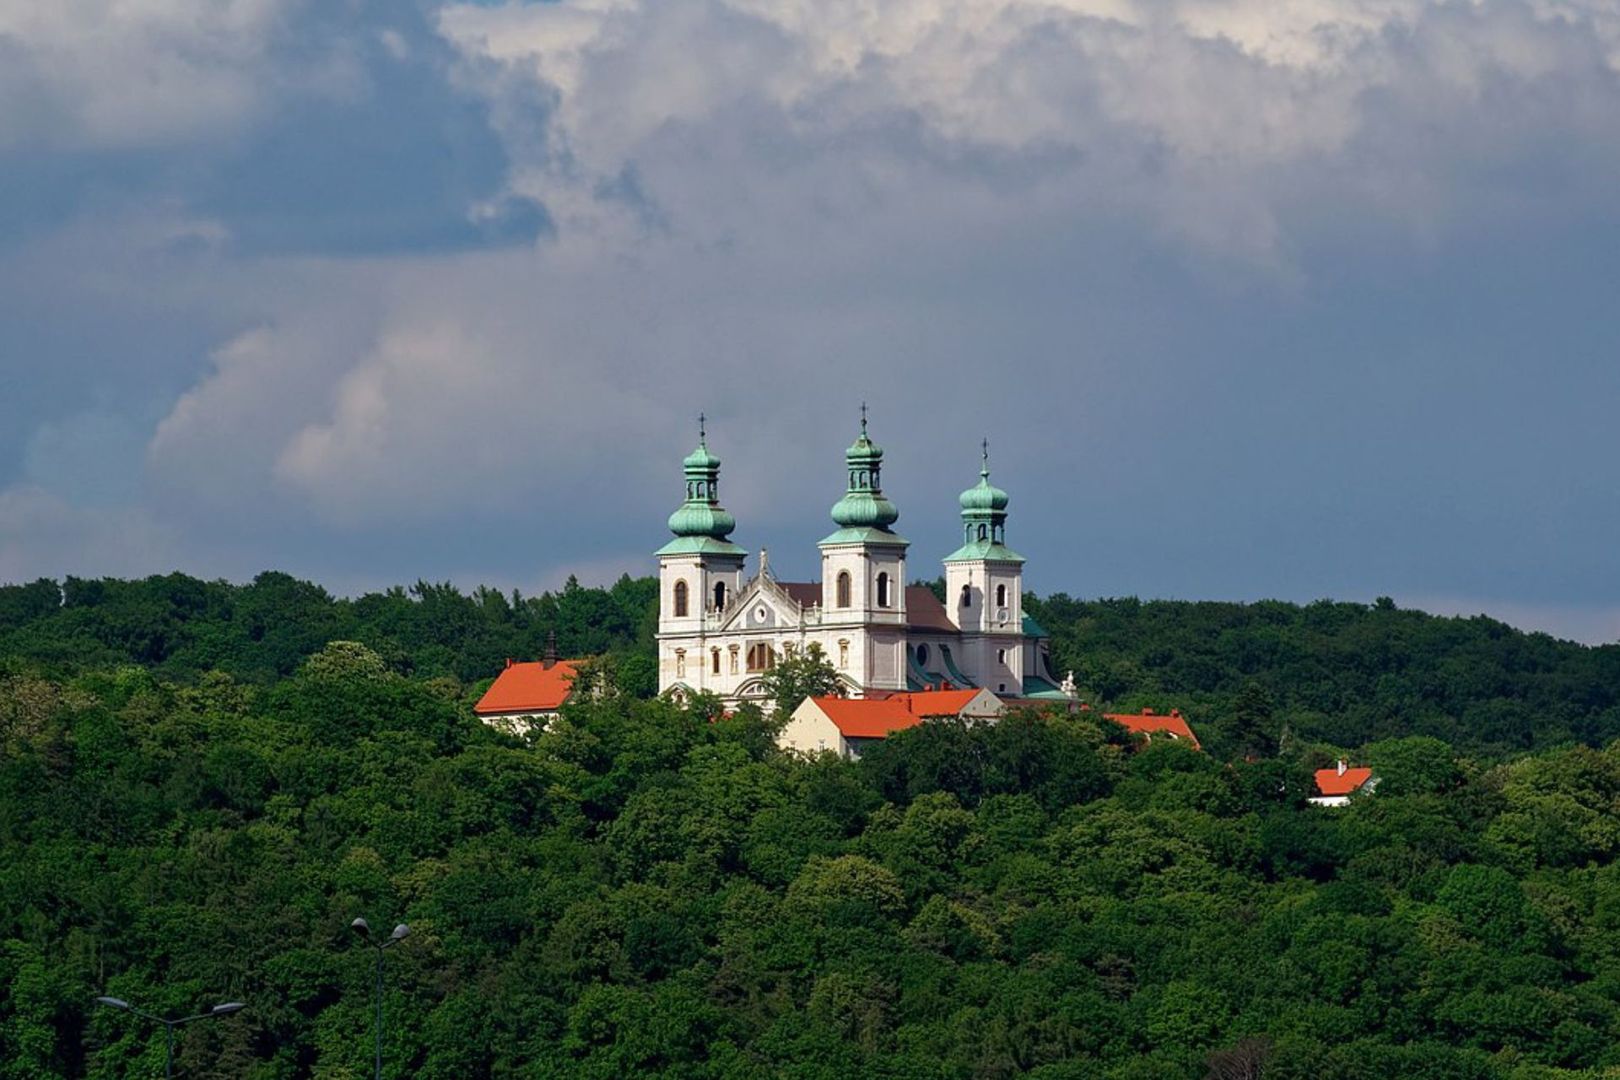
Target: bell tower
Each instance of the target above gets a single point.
(984, 588)
(699, 571)
(863, 569)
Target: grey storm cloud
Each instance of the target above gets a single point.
(1250, 302)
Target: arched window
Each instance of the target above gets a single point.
(761, 657)
(843, 588)
(714, 661)
(719, 596)
(680, 599)
(981, 532)
(883, 590)
(1001, 596)
(967, 596)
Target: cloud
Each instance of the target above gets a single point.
(41, 535)
(1207, 119)
(105, 74)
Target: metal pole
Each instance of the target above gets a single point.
(168, 1061)
(379, 1011)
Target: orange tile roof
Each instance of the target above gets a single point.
(529, 687)
(868, 718)
(936, 702)
(1148, 723)
(876, 718)
(1333, 782)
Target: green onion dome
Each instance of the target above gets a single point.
(863, 505)
(701, 515)
(984, 496)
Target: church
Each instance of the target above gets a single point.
(720, 631)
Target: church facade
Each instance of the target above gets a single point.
(721, 630)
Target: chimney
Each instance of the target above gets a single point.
(1341, 766)
(1147, 712)
(508, 661)
(1176, 713)
(550, 659)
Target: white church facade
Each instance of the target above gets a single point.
(720, 630)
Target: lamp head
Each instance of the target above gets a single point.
(401, 932)
(361, 927)
(116, 1003)
(227, 1008)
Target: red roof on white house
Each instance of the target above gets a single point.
(534, 687)
(877, 718)
(1148, 723)
(1343, 779)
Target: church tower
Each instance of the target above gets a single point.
(984, 588)
(863, 573)
(699, 571)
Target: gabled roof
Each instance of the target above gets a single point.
(925, 612)
(1149, 723)
(807, 593)
(875, 718)
(529, 687)
(868, 718)
(1333, 782)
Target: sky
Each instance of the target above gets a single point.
(1251, 300)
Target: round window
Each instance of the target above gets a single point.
(922, 654)
(760, 613)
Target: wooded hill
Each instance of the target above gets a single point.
(199, 790)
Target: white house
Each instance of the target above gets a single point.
(1335, 786)
(847, 725)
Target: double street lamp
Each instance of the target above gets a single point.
(170, 1023)
(363, 928)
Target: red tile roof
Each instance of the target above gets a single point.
(1148, 723)
(875, 718)
(529, 687)
(1333, 782)
(807, 593)
(868, 718)
(925, 612)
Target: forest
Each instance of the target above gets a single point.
(202, 784)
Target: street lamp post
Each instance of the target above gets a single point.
(170, 1023)
(363, 928)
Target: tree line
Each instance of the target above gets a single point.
(647, 888)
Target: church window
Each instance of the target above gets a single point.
(1001, 656)
(680, 599)
(714, 661)
(680, 663)
(883, 590)
(843, 588)
(967, 596)
(1001, 596)
(761, 657)
(922, 654)
(981, 532)
(843, 653)
(719, 596)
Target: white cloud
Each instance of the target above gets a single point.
(1190, 113)
(131, 73)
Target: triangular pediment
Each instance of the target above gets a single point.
(761, 606)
